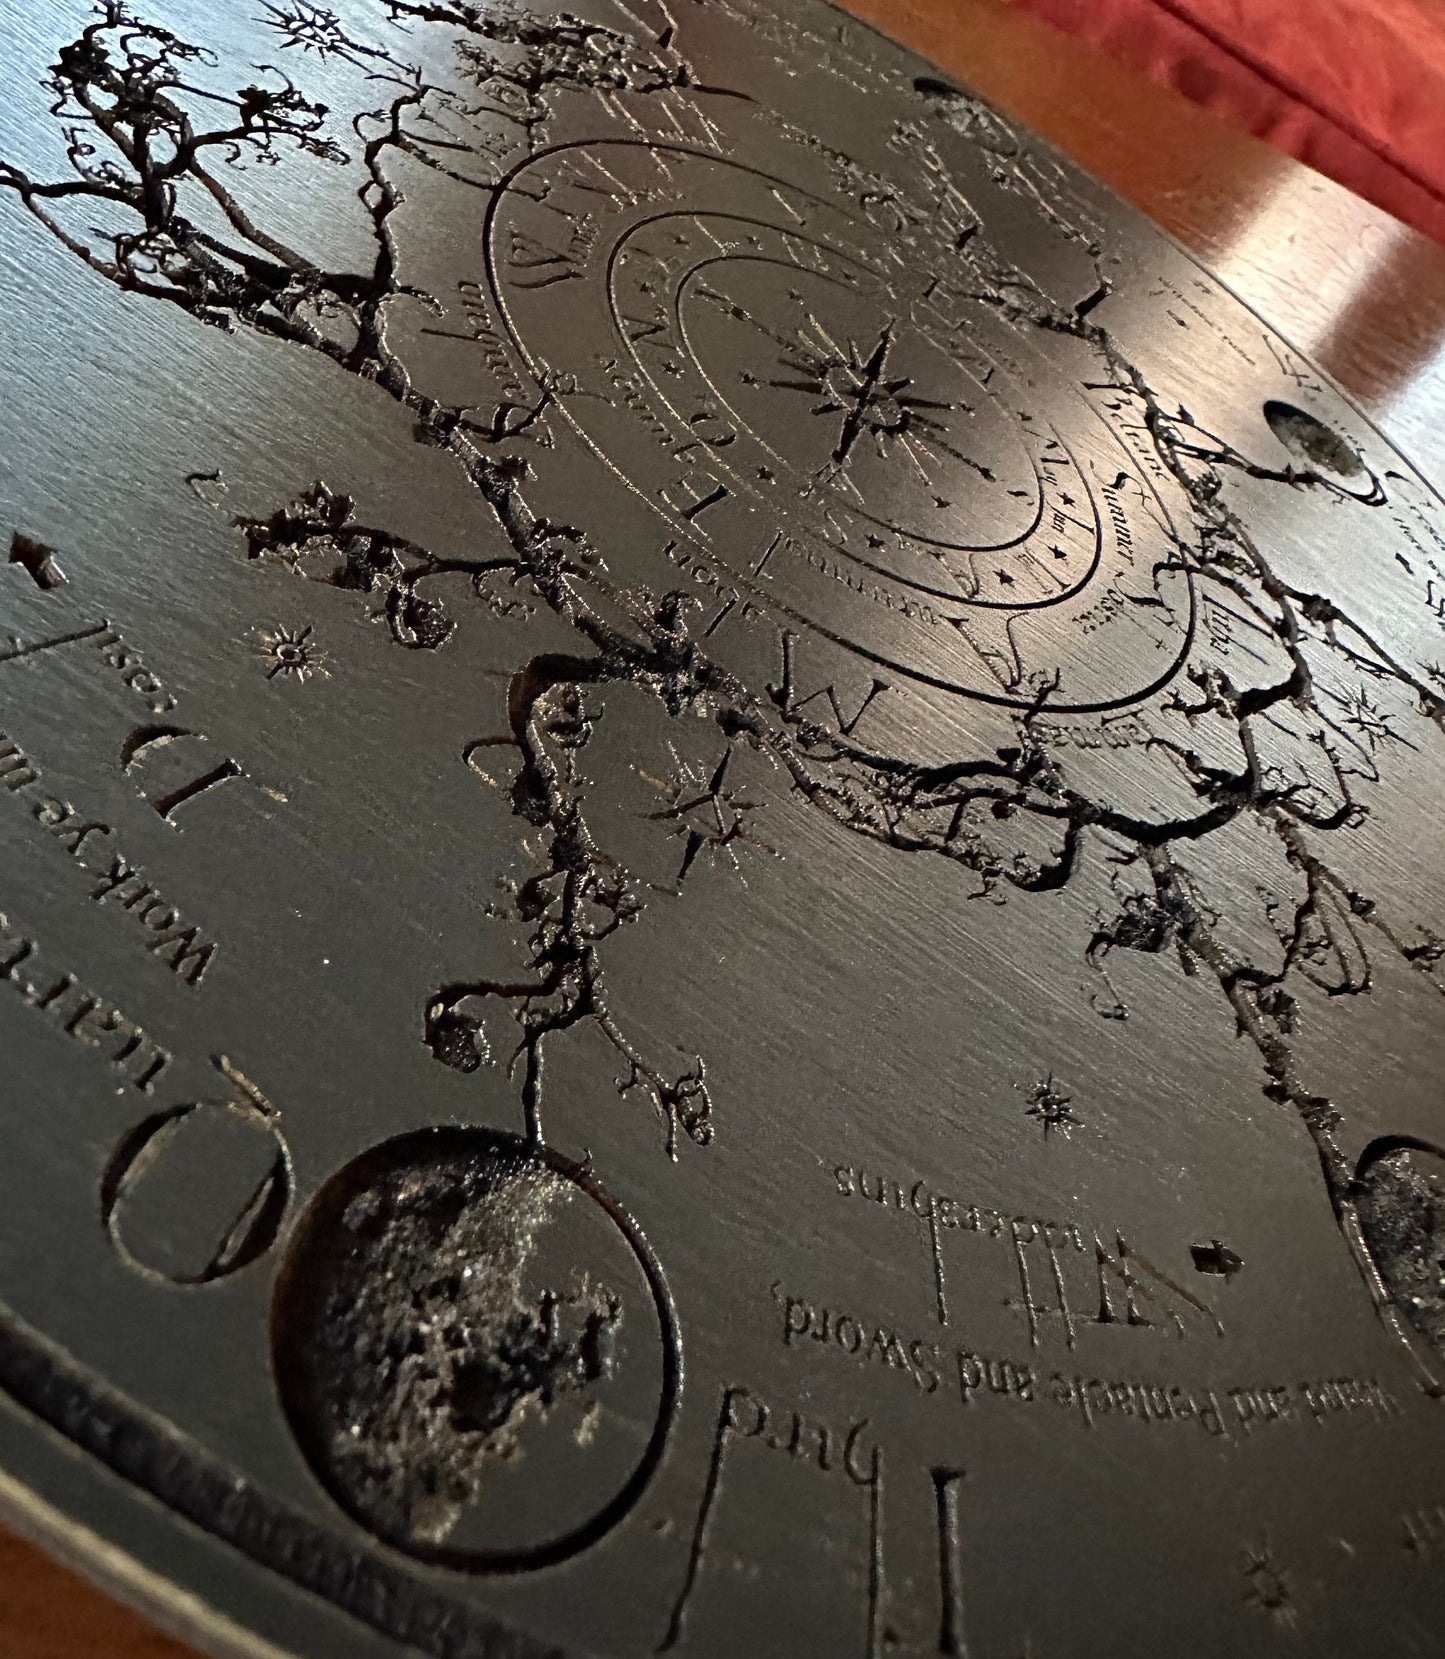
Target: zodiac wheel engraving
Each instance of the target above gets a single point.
(860, 444)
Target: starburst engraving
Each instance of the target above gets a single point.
(1364, 716)
(872, 403)
(1052, 1107)
(1268, 1590)
(707, 814)
(154, 198)
(290, 653)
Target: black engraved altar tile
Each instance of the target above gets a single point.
(720, 928)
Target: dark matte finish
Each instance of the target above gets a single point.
(709, 612)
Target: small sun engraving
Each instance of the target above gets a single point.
(1268, 1590)
(290, 653)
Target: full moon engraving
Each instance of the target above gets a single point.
(476, 1350)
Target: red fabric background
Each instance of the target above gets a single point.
(1356, 88)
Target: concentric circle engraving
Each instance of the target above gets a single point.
(669, 582)
(858, 443)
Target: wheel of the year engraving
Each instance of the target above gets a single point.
(715, 933)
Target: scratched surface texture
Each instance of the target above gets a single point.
(721, 923)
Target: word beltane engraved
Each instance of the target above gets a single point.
(715, 875)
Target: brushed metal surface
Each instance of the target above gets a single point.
(720, 921)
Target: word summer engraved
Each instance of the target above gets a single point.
(717, 862)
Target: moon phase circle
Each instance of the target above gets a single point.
(476, 1350)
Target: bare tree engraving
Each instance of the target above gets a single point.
(152, 202)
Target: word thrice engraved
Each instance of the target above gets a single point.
(179, 945)
(88, 1019)
(1120, 1287)
(877, 1345)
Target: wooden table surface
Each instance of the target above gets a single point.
(1353, 288)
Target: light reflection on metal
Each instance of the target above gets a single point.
(718, 898)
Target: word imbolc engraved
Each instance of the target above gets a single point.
(482, 329)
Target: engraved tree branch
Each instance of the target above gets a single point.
(1293, 754)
